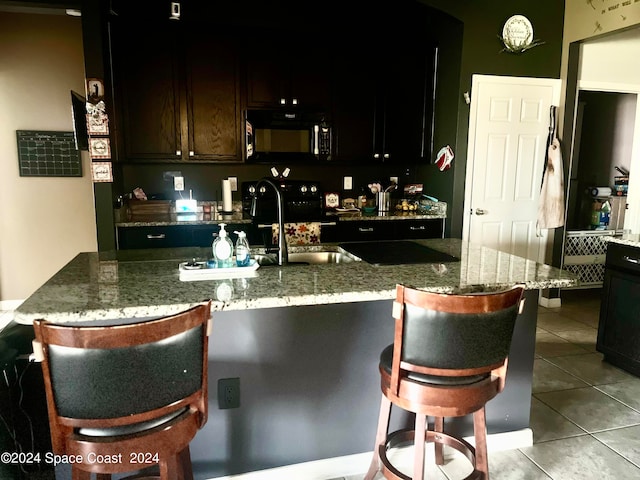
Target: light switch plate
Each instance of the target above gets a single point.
(348, 183)
(393, 180)
(178, 184)
(233, 182)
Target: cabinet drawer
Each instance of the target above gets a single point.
(623, 257)
(418, 229)
(366, 230)
(153, 237)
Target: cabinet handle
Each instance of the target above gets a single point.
(376, 155)
(631, 260)
(294, 101)
(421, 227)
(178, 153)
(365, 230)
(159, 236)
(386, 155)
(283, 101)
(328, 224)
(191, 153)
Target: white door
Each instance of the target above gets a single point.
(508, 131)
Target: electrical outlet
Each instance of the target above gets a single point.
(228, 393)
(178, 184)
(393, 180)
(233, 182)
(348, 183)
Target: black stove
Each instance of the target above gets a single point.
(302, 200)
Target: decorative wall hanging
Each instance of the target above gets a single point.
(99, 148)
(517, 35)
(101, 172)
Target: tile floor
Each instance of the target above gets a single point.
(585, 413)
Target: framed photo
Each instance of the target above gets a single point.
(331, 200)
(95, 90)
(99, 147)
(97, 124)
(101, 172)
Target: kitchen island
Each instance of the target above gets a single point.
(304, 341)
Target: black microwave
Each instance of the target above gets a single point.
(287, 135)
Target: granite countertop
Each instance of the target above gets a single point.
(128, 284)
(624, 241)
(238, 218)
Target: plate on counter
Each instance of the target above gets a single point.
(191, 271)
(347, 210)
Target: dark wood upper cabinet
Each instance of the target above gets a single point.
(384, 93)
(146, 91)
(177, 92)
(285, 69)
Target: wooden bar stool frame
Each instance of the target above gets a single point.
(407, 385)
(162, 433)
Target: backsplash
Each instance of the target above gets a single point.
(205, 181)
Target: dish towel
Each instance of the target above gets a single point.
(551, 206)
(305, 233)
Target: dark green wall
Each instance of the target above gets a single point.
(483, 21)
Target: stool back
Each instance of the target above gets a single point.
(110, 376)
(436, 332)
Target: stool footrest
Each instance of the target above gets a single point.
(405, 436)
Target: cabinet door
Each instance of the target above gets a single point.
(284, 69)
(213, 96)
(408, 96)
(146, 90)
(355, 82)
(619, 327)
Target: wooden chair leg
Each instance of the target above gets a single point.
(418, 447)
(480, 434)
(184, 460)
(77, 474)
(439, 427)
(381, 437)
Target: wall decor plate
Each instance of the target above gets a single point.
(101, 172)
(517, 34)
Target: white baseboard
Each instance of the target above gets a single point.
(549, 302)
(6, 305)
(338, 467)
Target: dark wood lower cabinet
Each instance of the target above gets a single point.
(172, 236)
(619, 327)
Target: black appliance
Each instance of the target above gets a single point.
(289, 135)
(302, 200)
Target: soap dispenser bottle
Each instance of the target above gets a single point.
(243, 256)
(223, 248)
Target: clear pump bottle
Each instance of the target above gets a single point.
(243, 255)
(223, 249)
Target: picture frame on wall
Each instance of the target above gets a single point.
(97, 125)
(101, 172)
(95, 90)
(99, 147)
(331, 200)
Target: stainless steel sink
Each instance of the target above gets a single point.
(307, 258)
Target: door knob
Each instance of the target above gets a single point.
(480, 211)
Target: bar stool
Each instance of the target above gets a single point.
(124, 397)
(448, 359)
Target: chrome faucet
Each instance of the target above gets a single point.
(283, 255)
